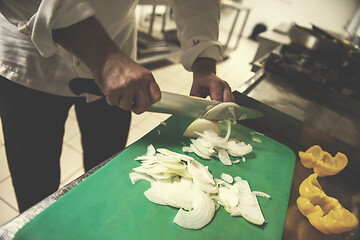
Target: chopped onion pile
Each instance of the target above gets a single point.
(209, 144)
(239, 200)
(180, 181)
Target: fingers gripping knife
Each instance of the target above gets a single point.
(173, 103)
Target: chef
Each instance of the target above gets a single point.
(45, 44)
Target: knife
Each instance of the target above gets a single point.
(178, 104)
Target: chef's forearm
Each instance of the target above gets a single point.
(87, 40)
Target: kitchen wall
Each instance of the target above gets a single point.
(333, 15)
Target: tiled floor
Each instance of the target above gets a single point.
(172, 78)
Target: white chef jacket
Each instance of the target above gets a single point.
(29, 56)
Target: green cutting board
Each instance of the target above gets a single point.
(107, 206)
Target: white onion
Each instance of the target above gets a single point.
(135, 176)
(199, 171)
(200, 125)
(200, 215)
(205, 186)
(171, 153)
(199, 153)
(187, 149)
(202, 148)
(255, 139)
(226, 177)
(153, 196)
(180, 181)
(175, 195)
(249, 207)
(237, 179)
(261, 194)
(220, 182)
(209, 144)
(224, 157)
(228, 197)
(150, 150)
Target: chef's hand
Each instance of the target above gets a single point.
(124, 82)
(207, 83)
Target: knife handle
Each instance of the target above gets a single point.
(85, 85)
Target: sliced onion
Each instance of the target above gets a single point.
(164, 158)
(187, 149)
(178, 195)
(225, 110)
(237, 179)
(150, 150)
(238, 149)
(215, 139)
(135, 176)
(205, 186)
(173, 166)
(163, 176)
(199, 171)
(228, 197)
(224, 157)
(209, 144)
(261, 194)
(179, 181)
(220, 182)
(228, 131)
(153, 196)
(200, 125)
(199, 153)
(203, 149)
(255, 139)
(200, 215)
(227, 177)
(249, 206)
(171, 153)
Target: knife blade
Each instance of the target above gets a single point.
(173, 103)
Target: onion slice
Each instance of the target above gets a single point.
(209, 143)
(179, 195)
(249, 205)
(200, 215)
(227, 178)
(200, 125)
(150, 150)
(171, 153)
(224, 157)
(180, 181)
(153, 196)
(135, 176)
(261, 194)
(200, 172)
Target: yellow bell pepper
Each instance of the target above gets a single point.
(322, 162)
(325, 213)
(311, 156)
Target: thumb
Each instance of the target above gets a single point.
(155, 92)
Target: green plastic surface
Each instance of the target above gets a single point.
(107, 206)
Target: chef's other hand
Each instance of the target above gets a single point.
(126, 83)
(207, 83)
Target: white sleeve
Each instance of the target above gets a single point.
(198, 29)
(54, 14)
